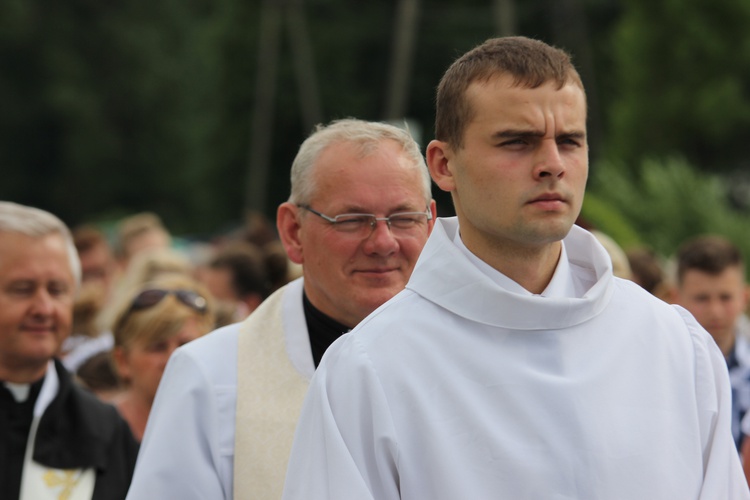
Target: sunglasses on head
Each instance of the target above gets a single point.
(149, 298)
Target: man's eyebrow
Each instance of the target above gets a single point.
(402, 207)
(512, 133)
(515, 133)
(22, 280)
(576, 134)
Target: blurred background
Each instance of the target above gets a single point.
(194, 109)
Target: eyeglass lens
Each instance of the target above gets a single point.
(396, 222)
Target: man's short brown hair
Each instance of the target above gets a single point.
(711, 254)
(529, 62)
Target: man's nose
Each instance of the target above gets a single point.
(42, 303)
(381, 240)
(549, 161)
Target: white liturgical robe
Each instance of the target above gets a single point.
(188, 450)
(461, 387)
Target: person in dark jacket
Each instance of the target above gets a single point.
(56, 439)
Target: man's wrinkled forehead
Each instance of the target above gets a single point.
(570, 100)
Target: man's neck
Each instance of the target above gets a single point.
(22, 374)
(322, 329)
(530, 267)
(725, 343)
(134, 408)
(23, 391)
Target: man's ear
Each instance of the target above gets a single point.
(288, 226)
(433, 211)
(439, 157)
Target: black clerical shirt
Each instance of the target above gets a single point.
(15, 422)
(322, 329)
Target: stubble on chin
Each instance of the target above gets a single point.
(541, 232)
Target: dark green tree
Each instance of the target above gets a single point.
(682, 82)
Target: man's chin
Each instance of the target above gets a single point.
(551, 233)
(42, 348)
(389, 279)
(377, 296)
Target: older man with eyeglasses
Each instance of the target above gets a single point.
(359, 213)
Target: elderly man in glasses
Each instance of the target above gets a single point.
(56, 440)
(358, 216)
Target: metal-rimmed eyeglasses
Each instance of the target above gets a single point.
(364, 224)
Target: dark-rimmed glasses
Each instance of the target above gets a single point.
(364, 224)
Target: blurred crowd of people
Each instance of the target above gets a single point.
(141, 298)
(511, 345)
(118, 349)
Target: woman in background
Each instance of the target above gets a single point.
(155, 319)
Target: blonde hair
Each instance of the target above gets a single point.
(145, 267)
(152, 263)
(133, 227)
(620, 263)
(164, 319)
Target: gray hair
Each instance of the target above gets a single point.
(367, 136)
(36, 223)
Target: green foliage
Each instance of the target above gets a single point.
(608, 219)
(119, 107)
(682, 68)
(115, 107)
(666, 202)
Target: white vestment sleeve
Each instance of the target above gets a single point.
(179, 456)
(345, 445)
(722, 472)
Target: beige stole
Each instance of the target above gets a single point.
(270, 392)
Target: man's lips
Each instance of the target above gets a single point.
(379, 270)
(548, 201)
(38, 329)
